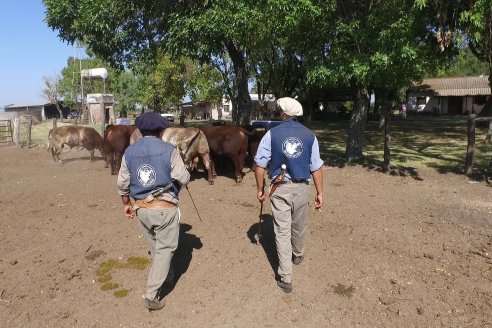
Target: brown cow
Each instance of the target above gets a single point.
(116, 140)
(74, 136)
(230, 141)
(191, 143)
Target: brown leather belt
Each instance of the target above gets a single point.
(156, 203)
(296, 181)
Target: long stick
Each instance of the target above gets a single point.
(259, 223)
(196, 209)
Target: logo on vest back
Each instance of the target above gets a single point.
(146, 175)
(292, 147)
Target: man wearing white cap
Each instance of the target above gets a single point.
(290, 152)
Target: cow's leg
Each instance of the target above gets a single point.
(208, 165)
(56, 154)
(117, 163)
(111, 161)
(53, 152)
(92, 155)
(238, 168)
(212, 166)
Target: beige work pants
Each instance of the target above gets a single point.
(290, 211)
(160, 227)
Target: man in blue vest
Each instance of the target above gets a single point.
(290, 152)
(152, 173)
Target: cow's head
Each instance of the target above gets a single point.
(185, 148)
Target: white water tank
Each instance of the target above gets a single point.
(101, 73)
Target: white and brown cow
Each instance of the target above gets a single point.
(74, 136)
(191, 143)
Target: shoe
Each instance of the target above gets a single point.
(297, 259)
(286, 287)
(154, 305)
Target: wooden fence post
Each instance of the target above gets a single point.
(29, 127)
(471, 145)
(54, 123)
(16, 124)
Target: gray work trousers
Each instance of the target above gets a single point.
(290, 211)
(160, 227)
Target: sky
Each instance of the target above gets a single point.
(29, 50)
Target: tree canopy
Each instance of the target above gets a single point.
(287, 47)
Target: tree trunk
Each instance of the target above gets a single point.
(355, 135)
(387, 141)
(240, 71)
(59, 111)
(470, 149)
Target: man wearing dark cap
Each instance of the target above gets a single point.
(290, 151)
(152, 173)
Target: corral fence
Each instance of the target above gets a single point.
(16, 129)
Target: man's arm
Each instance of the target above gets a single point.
(260, 182)
(318, 183)
(179, 172)
(123, 183)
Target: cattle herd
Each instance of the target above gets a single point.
(211, 144)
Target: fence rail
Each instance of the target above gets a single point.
(6, 134)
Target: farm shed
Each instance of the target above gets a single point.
(39, 112)
(449, 96)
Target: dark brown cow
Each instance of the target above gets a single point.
(74, 136)
(230, 141)
(116, 140)
(254, 138)
(191, 143)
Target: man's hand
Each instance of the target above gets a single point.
(260, 182)
(127, 207)
(261, 196)
(128, 211)
(318, 201)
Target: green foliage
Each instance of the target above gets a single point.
(164, 83)
(204, 83)
(466, 64)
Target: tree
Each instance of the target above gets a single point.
(164, 83)
(466, 64)
(369, 45)
(204, 82)
(476, 20)
(126, 91)
(52, 92)
(134, 31)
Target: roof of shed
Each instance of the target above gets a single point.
(455, 86)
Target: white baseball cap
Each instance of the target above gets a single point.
(290, 106)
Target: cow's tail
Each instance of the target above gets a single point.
(246, 132)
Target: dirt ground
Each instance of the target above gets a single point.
(410, 250)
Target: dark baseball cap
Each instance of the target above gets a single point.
(151, 121)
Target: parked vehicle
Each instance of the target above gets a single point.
(170, 117)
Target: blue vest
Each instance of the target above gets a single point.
(292, 144)
(149, 163)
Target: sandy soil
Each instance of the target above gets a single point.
(410, 250)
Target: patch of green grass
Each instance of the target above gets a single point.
(39, 132)
(421, 141)
(105, 278)
(109, 286)
(436, 142)
(121, 293)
